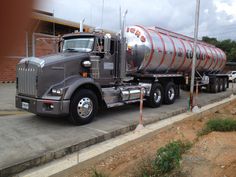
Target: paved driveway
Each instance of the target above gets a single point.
(28, 140)
(7, 97)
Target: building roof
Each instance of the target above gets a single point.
(52, 19)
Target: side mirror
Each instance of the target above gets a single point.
(107, 43)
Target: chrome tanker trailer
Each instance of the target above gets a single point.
(96, 70)
(154, 50)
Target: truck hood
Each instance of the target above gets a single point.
(53, 69)
(55, 58)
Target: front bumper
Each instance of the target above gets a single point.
(43, 107)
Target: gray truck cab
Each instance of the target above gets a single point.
(70, 82)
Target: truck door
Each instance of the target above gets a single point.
(107, 62)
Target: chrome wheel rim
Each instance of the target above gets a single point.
(85, 107)
(216, 87)
(171, 93)
(157, 96)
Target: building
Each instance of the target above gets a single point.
(41, 39)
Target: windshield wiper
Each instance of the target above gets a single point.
(71, 50)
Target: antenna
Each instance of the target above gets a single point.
(91, 15)
(102, 13)
(120, 15)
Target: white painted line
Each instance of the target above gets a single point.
(68, 161)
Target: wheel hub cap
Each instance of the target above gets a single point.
(85, 107)
(157, 96)
(171, 93)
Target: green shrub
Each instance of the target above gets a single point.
(221, 125)
(167, 158)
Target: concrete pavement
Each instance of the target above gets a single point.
(7, 97)
(7, 100)
(27, 140)
(61, 167)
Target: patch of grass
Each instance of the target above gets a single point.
(167, 159)
(220, 125)
(98, 174)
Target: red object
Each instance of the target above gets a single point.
(184, 56)
(152, 45)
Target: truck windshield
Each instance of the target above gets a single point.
(84, 44)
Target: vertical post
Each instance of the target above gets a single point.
(233, 81)
(140, 125)
(141, 107)
(26, 44)
(194, 52)
(33, 44)
(197, 85)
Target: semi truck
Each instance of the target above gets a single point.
(100, 70)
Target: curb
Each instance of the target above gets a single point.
(7, 82)
(52, 155)
(12, 112)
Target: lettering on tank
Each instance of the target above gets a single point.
(199, 55)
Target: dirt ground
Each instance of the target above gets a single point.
(212, 155)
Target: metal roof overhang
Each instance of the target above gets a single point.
(52, 19)
(56, 20)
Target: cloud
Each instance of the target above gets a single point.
(217, 19)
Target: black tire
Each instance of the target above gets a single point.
(83, 97)
(225, 84)
(169, 93)
(221, 85)
(177, 88)
(215, 86)
(152, 100)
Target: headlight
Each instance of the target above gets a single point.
(86, 64)
(57, 91)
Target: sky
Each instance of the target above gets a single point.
(217, 17)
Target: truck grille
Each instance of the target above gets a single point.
(27, 79)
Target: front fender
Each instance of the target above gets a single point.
(76, 82)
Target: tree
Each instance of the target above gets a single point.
(228, 46)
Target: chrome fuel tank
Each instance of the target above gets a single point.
(155, 50)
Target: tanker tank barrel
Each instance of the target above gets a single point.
(156, 50)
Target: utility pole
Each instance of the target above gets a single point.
(194, 52)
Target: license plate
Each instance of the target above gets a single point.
(25, 105)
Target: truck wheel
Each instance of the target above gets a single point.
(225, 84)
(215, 86)
(177, 88)
(221, 85)
(83, 107)
(170, 93)
(156, 96)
